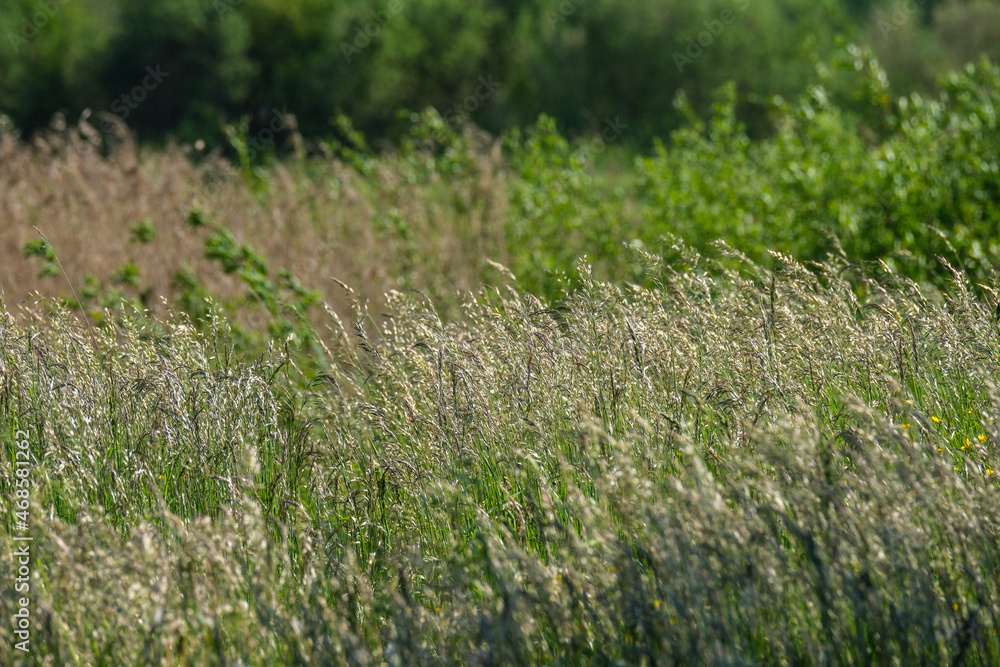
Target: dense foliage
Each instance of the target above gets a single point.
(925, 187)
(580, 61)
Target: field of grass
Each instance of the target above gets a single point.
(760, 466)
(782, 449)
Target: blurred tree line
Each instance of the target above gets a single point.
(186, 67)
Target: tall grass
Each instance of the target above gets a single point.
(376, 224)
(901, 180)
(729, 465)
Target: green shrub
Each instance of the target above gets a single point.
(824, 183)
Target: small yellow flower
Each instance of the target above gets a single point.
(559, 576)
(673, 622)
(940, 450)
(970, 412)
(982, 438)
(989, 471)
(955, 606)
(657, 604)
(904, 425)
(437, 610)
(935, 419)
(965, 444)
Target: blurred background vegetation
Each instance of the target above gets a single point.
(578, 61)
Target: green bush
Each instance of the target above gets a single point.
(824, 182)
(905, 180)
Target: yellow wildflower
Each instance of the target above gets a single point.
(982, 438)
(935, 419)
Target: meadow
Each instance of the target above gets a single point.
(515, 400)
